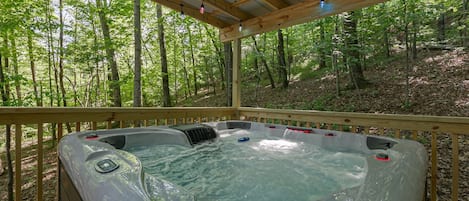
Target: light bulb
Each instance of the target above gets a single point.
(202, 9)
(240, 27)
(321, 4)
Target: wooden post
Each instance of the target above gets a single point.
(455, 171)
(236, 92)
(397, 134)
(40, 156)
(94, 125)
(77, 126)
(60, 131)
(18, 136)
(109, 125)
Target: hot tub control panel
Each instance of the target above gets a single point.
(106, 166)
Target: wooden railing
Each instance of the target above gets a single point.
(398, 126)
(76, 119)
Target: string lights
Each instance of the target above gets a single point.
(202, 8)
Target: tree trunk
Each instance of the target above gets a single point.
(220, 58)
(194, 70)
(322, 49)
(33, 67)
(281, 59)
(164, 60)
(228, 72)
(187, 89)
(463, 22)
(442, 27)
(50, 64)
(110, 54)
(16, 72)
(138, 57)
(258, 52)
(335, 55)
(387, 46)
(9, 163)
(357, 78)
(3, 83)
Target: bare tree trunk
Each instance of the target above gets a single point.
(271, 78)
(187, 90)
(442, 26)
(5, 102)
(357, 78)
(110, 54)
(50, 64)
(194, 71)
(15, 68)
(407, 50)
(335, 55)
(164, 60)
(463, 22)
(281, 59)
(228, 72)
(9, 163)
(138, 57)
(33, 68)
(322, 51)
(220, 58)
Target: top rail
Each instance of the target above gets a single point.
(22, 115)
(458, 125)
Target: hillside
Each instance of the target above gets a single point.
(439, 85)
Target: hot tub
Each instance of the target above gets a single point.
(238, 160)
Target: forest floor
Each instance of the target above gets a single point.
(439, 85)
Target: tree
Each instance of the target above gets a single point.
(164, 60)
(138, 58)
(357, 78)
(281, 60)
(264, 61)
(228, 72)
(110, 54)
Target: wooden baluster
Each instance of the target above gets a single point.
(318, 125)
(329, 126)
(367, 130)
(94, 125)
(397, 134)
(414, 134)
(18, 136)
(145, 123)
(40, 156)
(455, 171)
(354, 129)
(381, 131)
(289, 122)
(109, 125)
(60, 131)
(341, 127)
(166, 122)
(308, 124)
(77, 126)
(121, 124)
(434, 167)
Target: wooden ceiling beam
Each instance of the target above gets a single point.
(292, 15)
(228, 9)
(276, 4)
(240, 2)
(193, 12)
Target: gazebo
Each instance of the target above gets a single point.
(235, 20)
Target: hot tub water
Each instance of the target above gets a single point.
(263, 168)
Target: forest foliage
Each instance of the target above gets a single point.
(81, 52)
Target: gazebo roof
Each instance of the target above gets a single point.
(258, 16)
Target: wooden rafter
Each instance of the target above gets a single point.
(240, 2)
(276, 4)
(292, 15)
(193, 12)
(228, 9)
